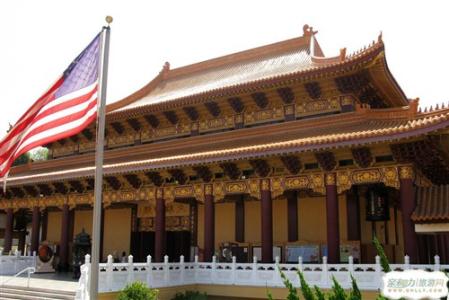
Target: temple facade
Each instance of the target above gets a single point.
(273, 151)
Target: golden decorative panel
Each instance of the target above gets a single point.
(198, 190)
(330, 179)
(317, 183)
(277, 186)
(343, 181)
(217, 123)
(236, 187)
(296, 182)
(254, 188)
(275, 113)
(122, 139)
(218, 190)
(184, 192)
(406, 172)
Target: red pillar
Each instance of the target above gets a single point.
(44, 225)
(333, 229)
(209, 223)
(353, 214)
(240, 220)
(267, 221)
(8, 230)
(64, 240)
(159, 246)
(408, 203)
(292, 216)
(35, 229)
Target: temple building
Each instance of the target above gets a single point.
(273, 151)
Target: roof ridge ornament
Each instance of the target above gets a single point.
(165, 70)
(308, 30)
(379, 38)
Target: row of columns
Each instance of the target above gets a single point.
(36, 224)
(332, 222)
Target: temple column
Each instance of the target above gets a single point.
(44, 225)
(7, 244)
(408, 203)
(64, 240)
(292, 215)
(35, 229)
(240, 220)
(266, 206)
(333, 228)
(209, 223)
(353, 214)
(160, 240)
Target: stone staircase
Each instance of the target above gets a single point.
(8, 292)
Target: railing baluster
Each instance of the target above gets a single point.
(182, 269)
(254, 271)
(109, 273)
(378, 270)
(214, 268)
(324, 273)
(130, 269)
(436, 267)
(406, 262)
(166, 270)
(149, 270)
(234, 268)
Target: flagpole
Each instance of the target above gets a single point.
(96, 230)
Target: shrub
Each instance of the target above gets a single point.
(190, 295)
(138, 291)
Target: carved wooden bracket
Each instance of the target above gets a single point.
(204, 173)
(362, 157)
(261, 167)
(286, 95)
(236, 104)
(292, 163)
(231, 170)
(133, 180)
(152, 120)
(77, 186)
(191, 112)
(155, 178)
(171, 116)
(134, 123)
(179, 176)
(260, 99)
(213, 108)
(113, 182)
(326, 160)
(313, 89)
(118, 127)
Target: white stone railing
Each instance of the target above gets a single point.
(12, 264)
(115, 276)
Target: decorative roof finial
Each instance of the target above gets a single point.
(166, 66)
(308, 30)
(379, 38)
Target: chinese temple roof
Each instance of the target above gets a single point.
(260, 67)
(432, 205)
(361, 127)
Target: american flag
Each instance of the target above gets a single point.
(64, 110)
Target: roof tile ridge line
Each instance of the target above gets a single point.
(290, 44)
(145, 90)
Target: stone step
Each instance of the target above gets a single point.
(23, 293)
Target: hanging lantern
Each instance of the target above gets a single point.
(377, 205)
